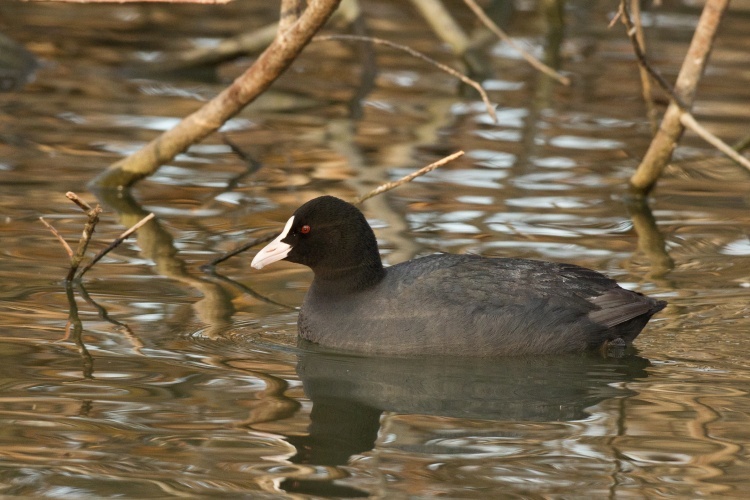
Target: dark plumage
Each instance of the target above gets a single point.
(445, 304)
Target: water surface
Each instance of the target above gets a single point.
(158, 380)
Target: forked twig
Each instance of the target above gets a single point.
(115, 243)
(624, 16)
(88, 230)
(686, 118)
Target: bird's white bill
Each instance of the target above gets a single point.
(274, 251)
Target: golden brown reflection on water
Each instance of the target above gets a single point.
(173, 382)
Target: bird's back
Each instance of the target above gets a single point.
(469, 305)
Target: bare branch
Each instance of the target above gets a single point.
(643, 63)
(245, 246)
(443, 24)
(660, 150)
(115, 243)
(59, 237)
(379, 190)
(83, 243)
(75, 199)
(290, 12)
(686, 118)
(244, 43)
(533, 61)
(264, 71)
(418, 55)
(408, 178)
(648, 99)
(688, 121)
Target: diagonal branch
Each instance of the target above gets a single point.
(643, 63)
(418, 55)
(533, 61)
(688, 121)
(407, 178)
(115, 243)
(59, 237)
(686, 118)
(660, 150)
(265, 70)
(378, 190)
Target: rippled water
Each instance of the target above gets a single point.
(160, 380)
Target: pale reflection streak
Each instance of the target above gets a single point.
(649, 442)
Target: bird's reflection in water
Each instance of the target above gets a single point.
(349, 394)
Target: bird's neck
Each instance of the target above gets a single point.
(355, 276)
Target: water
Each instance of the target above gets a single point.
(158, 380)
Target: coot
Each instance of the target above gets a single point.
(445, 304)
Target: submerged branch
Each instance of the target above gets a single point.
(104, 315)
(74, 332)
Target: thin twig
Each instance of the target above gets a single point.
(536, 63)
(245, 246)
(645, 80)
(682, 111)
(689, 121)
(88, 232)
(642, 61)
(614, 20)
(407, 178)
(209, 267)
(245, 289)
(418, 55)
(115, 243)
(75, 199)
(59, 237)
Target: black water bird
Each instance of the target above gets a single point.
(445, 304)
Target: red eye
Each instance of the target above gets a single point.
(304, 229)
